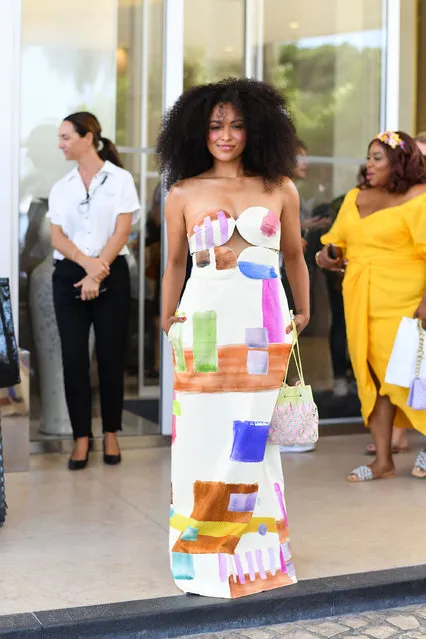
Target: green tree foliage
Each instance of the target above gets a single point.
(330, 88)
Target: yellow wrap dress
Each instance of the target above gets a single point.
(384, 281)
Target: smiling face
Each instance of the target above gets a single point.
(227, 135)
(71, 143)
(378, 166)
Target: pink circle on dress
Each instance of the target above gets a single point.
(270, 224)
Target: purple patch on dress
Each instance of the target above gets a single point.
(256, 337)
(257, 362)
(273, 318)
(198, 238)
(209, 237)
(282, 561)
(249, 441)
(271, 554)
(280, 498)
(223, 225)
(240, 571)
(259, 561)
(223, 571)
(262, 529)
(239, 503)
(250, 564)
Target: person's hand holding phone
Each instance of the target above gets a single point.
(331, 258)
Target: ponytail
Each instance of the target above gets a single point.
(84, 123)
(109, 152)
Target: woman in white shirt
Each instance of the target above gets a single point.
(91, 211)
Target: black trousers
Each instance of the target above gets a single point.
(109, 314)
(337, 337)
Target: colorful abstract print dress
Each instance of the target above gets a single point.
(228, 529)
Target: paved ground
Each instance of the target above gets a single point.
(382, 624)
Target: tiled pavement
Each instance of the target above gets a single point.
(407, 622)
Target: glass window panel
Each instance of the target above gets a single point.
(70, 64)
(155, 76)
(129, 73)
(328, 63)
(214, 40)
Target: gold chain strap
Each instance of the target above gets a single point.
(420, 350)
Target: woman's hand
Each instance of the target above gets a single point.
(323, 260)
(301, 320)
(89, 288)
(96, 268)
(173, 320)
(421, 312)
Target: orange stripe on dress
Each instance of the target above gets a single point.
(259, 584)
(232, 372)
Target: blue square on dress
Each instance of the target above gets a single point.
(249, 441)
(190, 534)
(182, 565)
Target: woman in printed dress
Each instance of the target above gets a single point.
(227, 153)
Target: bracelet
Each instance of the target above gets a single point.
(74, 254)
(317, 258)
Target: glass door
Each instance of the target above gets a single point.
(329, 62)
(113, 69)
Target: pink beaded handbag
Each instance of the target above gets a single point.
(295, 418)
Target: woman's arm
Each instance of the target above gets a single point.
(177, 252)
(291, 247)
(118, 239)
(95, 267)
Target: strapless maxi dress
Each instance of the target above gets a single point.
(229, 534)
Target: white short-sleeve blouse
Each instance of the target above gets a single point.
(89, 219)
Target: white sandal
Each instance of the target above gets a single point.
(364, 473)
(419, 469)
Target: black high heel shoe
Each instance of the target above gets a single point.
(111, 460)
(80, 464)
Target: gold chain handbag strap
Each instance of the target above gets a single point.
(420, 350)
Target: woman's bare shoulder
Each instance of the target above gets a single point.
(289, 192)
(288, 186)
(185, 187)
(415, 191)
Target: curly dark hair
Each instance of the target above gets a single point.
(408, 166)
(271, 146)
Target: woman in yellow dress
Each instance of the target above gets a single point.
(379, 238)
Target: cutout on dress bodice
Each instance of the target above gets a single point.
(257, 225)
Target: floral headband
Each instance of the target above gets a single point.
(391, 138)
